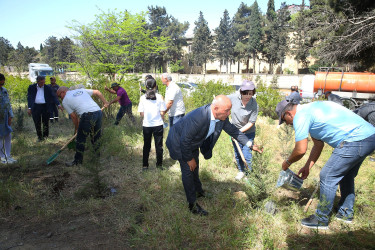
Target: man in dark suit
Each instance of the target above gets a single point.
(40, 100)
(200, 129)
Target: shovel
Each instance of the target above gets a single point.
(54, 156)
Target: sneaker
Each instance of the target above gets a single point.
(313, 222)
(11, 160)
(343, 218)
(239, 176)
(3, 160)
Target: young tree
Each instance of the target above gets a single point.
(224, 41)
(116, 42)
(5, 49)
(241, 26)
(255, 33)
(202, 41)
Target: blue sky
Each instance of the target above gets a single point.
(31, 22)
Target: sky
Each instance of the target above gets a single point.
(31, 22)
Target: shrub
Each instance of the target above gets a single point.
(267, 98)
(205, 92)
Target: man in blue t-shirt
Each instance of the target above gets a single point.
(352, 138)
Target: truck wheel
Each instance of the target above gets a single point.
(349, 103)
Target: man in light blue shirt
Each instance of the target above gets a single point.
(352, 138)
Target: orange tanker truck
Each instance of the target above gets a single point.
(354, 88)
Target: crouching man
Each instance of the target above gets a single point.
(86, 116)
(352, 138)
(200, 129)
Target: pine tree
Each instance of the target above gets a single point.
(224, 44)
(241, 26)
(255, 33)
(202, 42)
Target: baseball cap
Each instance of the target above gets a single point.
(280, 109)
(247, 85)
(115, 84)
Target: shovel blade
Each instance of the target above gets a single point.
(53, 157)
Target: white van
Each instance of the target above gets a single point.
(39, 69)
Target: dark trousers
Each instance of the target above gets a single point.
(174, 119)
(41, 115)
(158, 138)
(54, 114)
(90, 124)
(125, 110)
(190, 179)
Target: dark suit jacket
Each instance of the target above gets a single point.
(189, 134)
(48, 96)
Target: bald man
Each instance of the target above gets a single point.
(86, 116)
(200, 129)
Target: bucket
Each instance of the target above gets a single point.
(289, 180)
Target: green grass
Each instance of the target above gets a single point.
(149, 209)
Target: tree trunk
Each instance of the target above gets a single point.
(254, 54)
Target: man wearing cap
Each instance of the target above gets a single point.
(124, 101)
(244, 115)
(86, 116)
(54, 116)
(333, 98)
(40, 101)
(173, 99)
(352, 138)
(198, 131)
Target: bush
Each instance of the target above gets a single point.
(267, 98)
(205, 92)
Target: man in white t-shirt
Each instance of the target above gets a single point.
(173, 100)
(86, 116)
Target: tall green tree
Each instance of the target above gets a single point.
(224, 42)
(49, 52)
(5, 49)
(241, 27)
(255, 33)
(164, 25)
(276, 35)
(202, 42)
(301, 41)
(116, 42)
(22, 56)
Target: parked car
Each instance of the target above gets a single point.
(187, 87)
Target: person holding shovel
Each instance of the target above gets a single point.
(86, 116)
(352, 138)
(199, 130)
(124, 101)
(244, 115)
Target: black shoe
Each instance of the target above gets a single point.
(204, 194)
(313, 222)
(72, 163)
(144, 168)
(343, 218)
(196, 209)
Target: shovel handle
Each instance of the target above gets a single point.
(311, 198)
(240, 151)
(70, 140)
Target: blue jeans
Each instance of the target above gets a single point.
(246, 153)
(90, 123)
(174, 119)
(125, 110)
(341, 169)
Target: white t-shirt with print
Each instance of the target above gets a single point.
(151, 110)
(80, 101)
(173, 92)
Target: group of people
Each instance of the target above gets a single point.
(351, 135)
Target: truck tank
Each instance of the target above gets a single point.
(345, 82)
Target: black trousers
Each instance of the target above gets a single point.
(158, 138)
(41, 115)
(190, 179)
